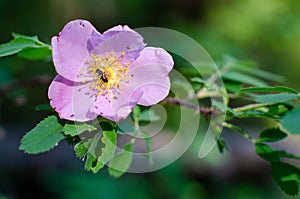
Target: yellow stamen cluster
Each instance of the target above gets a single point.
(109, 73)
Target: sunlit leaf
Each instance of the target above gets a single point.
(43, 137)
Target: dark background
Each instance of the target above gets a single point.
(265, 31)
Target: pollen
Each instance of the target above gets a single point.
(108, 73)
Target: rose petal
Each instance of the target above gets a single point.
(71, 47)
(121, 41)
(154, 92)
(150, 75)
(120, 107)
(115, 30)
(94, 41)
(73, 101)
(154, 56)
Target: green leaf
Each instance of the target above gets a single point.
(272, 135)
(93, 145)
(99, 152)
(232, 86)
(274, 111)
(121, 162)
(148, 116)
(290, 121)
(286, 177)
(43, 137)
(103, 120)
(198, 80)
(35, 53)
(78, 128)
(278, 110)
(15, 46)
(222, 146)
(275, 98)
(19, 36)
(291, 177)
(27, 47)
(268, 153)
(280, 89)
(90, 162)
(80, 150)
(109, 139)
(244, 78)
(44, 107)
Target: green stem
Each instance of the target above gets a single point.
(136, 123)
(249, 107)
(240, 131)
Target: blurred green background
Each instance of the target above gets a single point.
(267, 31)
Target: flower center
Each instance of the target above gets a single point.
(109, 73)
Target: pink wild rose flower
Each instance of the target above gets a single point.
(105, 74)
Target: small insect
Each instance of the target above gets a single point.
(102, 75)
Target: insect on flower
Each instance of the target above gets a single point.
(102, 75)
(105, 74)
